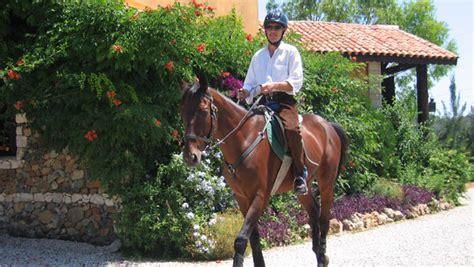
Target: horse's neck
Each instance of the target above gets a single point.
(230, 115)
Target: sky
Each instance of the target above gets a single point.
(458, 15)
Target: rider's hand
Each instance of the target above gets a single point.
(242, 94)
(267, 88)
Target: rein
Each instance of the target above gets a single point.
(210, 136)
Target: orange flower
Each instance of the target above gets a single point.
(174, 134)
(169, 66)
(117, 48)
(226, 74)
(11, 74)
(18, 105)
(197, 5)
(201, 48)
(157, 122)
(168, 7)
(334, 90)
(90, 135)
(20, 62)
(111, 94)
(17, 76)
(117, 102)
(249, 37)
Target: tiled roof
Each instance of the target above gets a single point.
(370, 41)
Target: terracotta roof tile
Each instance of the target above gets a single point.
(374, 40)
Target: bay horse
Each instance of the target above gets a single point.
(208, 114)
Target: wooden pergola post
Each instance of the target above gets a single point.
(422, 92)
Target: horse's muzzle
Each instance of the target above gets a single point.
(192, 157)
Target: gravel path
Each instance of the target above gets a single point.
(442, 239)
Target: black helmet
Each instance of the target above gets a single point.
(278, 17)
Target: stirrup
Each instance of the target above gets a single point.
(301, 188)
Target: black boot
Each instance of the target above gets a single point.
(299, 186)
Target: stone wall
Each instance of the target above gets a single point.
(48, 194)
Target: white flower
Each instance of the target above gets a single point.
(196, 234)
(190, 215)
(196, 227)
(201, 174)
(212, 221)
(185, 205)
(203, 238)
(190, 177)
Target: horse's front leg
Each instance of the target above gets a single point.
(249, 229)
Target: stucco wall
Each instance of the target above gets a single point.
(247, 9)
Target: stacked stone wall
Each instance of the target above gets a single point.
(49, 194)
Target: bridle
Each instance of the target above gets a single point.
(207, 139)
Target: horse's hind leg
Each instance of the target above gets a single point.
(311, 204)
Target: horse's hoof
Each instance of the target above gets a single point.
(325, 263)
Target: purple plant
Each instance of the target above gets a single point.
(415, 195)
(275, 227)
(232, 84)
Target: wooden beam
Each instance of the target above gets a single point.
(398, 68)
(405, 60)
(422, 92)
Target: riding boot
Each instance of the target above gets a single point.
(288, 113)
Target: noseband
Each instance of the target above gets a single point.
(208, 138)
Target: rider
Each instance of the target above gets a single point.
(278, 69)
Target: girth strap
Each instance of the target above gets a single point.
(233, 167)
(261, 135)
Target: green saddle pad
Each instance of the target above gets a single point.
(276, 137)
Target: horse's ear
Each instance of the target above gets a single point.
(184, 86)
(203, 85)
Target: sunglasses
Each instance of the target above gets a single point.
(275, 28)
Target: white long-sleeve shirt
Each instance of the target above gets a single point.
(284, 65)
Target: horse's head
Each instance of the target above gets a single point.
(199, 116)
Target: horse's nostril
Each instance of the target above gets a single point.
(194, 158)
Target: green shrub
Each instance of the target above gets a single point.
(385, 188)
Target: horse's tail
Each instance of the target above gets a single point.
(344, 145)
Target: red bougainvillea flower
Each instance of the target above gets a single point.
(197, 13)
(197, 5)
(201, 48)
(157, 122)
(117, 48)
(111, 93)
(249, 37)
(11, 74)
(117, 102)
(211, 9)
(225, 74)
(169, 66)
(91, 135)
(19, 105)
(20, 62)
(17, 76)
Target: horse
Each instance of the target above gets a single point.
(209, 115)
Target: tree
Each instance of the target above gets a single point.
(417, 17)
(453, 129)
